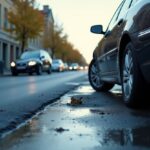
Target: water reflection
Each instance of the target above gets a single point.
(80, 112)
(136, 137)
(77, 133)
(85, 89)
(32, 88)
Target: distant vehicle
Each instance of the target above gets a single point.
(74, 66)
(66, 67)
(81, 68)
(85, 67)
(32, 61)
(123, 54)
(57, 65)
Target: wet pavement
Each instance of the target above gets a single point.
(101, 121)
(23, 96)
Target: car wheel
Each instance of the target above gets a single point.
(132, 80)
(15, 73)
(39, 70)
(49, 70)
(94, 78)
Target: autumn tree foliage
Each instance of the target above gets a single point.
(61, 48)
(68, 53)
(27, 22)
(52, 38)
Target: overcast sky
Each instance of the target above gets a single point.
(77, 16)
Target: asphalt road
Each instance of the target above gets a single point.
(100, 122)
(23, 96)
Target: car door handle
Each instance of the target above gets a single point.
(120, 22)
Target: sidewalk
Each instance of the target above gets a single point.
(3, 70)
(100, 121)
(6, 72)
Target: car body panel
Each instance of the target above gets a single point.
(57, 65)
(134, 24)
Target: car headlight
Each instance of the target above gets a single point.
(70, 68)
(12, 64)
(81, 68)
(32, 63)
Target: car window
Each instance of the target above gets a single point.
(133, 2)
(124, 9)
(114, 18)
(74, 64)
(28, 55)
(56, 61)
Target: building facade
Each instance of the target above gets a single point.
(49, 24)
(9, 47)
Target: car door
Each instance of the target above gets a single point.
(113, 35)
(106, 45)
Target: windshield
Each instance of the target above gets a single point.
(75, 64)
(56, 61)
(29, 55)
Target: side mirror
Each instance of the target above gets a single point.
(98, 29)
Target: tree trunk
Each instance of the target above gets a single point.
(53, 52)
(23, 43)
(22, 46)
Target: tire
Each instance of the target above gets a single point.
(39, 70)
(94, 78)
(132, 80)
(50, 70)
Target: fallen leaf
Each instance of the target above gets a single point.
(76, 101)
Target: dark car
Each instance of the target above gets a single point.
(74, 66)
(32, 61)
(123, 54)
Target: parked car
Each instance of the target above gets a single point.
(32, 61)
(74, 66)
(66, 67)
(57, 65)
(123, 54)
(81, 67)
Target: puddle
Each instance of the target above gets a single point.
(50, 131)
(73, 98)
(85, 89)
(61, 127)
(139, 136)
(73, 83)
(100, 112)
(117, 90)
(79, 113)
(41, 133)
